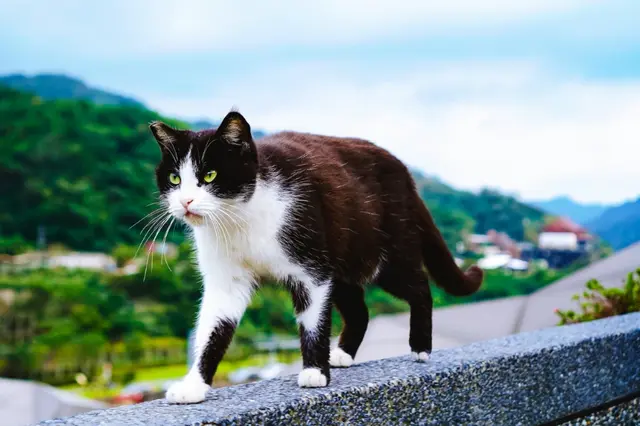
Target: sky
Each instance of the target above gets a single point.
(535, 98)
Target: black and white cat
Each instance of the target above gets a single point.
(322, 215)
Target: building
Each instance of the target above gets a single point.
(80, 260)
(71, 260)
(492, 243)
(560, 244)
(563, 234)
(503, 261)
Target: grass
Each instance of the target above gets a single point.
(166, 372)
(171, 372)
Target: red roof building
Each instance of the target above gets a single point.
(567, 226)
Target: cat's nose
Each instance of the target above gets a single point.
(185, 202)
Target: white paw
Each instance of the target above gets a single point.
(420, 356)
(312, 378)
(339, 358)
(187, 392)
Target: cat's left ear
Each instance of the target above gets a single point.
(165, 135)
(235, 130)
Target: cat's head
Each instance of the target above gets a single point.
(204, 174)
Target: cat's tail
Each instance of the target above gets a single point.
(439, 261)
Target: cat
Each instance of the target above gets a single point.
(322, 215)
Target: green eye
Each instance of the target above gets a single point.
(209, 177)
(174, 179)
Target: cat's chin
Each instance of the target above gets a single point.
(193, 219)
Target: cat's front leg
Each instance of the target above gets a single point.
(312, 303)
(222, 306)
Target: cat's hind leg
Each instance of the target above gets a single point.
(349, 301)
(409, 282)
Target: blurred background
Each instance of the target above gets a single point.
(519, 120)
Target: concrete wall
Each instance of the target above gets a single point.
(573, 374)
(23, 402)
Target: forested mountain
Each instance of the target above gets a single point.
(60, 86)
(580, 213)
(85, 173)
(458, 211)
(618, 225)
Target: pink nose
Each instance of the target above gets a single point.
(186, 202)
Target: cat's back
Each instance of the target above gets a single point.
(330, 156)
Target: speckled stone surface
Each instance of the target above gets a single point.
(524, 379)
(625, 414)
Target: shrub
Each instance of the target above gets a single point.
(600, 302)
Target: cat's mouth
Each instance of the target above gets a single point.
(194, 218)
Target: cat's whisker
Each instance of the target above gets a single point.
(153, 220)
(227, 211)
(152, 227)
(234, 214)
(223, 231)
(215, 229)
(152, 251)
(154, 212)
(231, 218)
(164, 244)
(152, 223)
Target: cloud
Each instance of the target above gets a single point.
(123, 27)
(507, 124)
(514, 94)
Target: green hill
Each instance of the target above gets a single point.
(458, 211)
(83, 171)
(60, 86)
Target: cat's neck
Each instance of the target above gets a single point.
(260, 215)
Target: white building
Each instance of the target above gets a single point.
(83, 261)
(558, 241)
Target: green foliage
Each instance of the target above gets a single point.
(461, 212)
(14, 244)
(600, 302)
(79, 315)
(123, 253)
(89, 170)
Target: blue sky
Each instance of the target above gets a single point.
(537, 98)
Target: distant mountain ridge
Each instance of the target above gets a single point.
(565, 206)
(618, 225)
(60, 86)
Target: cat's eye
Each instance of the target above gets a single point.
(174, 179)
(209, 177)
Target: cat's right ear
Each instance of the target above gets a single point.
(165, 135)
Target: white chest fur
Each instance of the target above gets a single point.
(244, 245)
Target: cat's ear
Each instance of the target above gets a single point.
(165, 135)
(235, 130)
